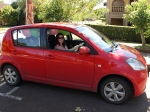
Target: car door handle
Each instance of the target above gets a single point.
(15, 52)
(50, 56)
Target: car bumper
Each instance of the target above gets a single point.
(139, 81)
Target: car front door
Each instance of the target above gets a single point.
(69, 68)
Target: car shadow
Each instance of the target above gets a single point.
(68, 99)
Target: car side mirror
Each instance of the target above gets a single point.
(84, 50)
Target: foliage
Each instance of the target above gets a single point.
(101, 12)
(147, 33)
(62, 10)
(19, 7)
(120, 33)
(50, 10)
(8, 16)
(139, 16)
(103, 19)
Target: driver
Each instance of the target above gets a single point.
(61, 45)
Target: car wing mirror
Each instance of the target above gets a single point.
(84, 50)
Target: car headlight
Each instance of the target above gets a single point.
(135, 64)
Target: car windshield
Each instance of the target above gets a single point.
(98, 38)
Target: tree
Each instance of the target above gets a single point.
(51, 11)
(62, 10)
(139, 16)
(8, 16)
(101, 12)
(19, 7)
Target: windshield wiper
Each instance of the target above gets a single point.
(115, 44)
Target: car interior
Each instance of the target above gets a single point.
(70, 39)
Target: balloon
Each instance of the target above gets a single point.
(26, 32)
(64, 32)
(35, 32)
(53, 32)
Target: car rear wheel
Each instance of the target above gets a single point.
(11, 75)
(115, 90)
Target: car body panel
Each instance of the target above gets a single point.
(71, 69)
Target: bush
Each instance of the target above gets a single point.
(103, 19)
(119, 33)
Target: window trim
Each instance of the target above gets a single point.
(17, 30)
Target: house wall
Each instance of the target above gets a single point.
(113, 16)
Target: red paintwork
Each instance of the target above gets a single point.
(84, 50)
(71, 69)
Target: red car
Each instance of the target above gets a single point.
(115, 71)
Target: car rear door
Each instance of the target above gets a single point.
(27, 53)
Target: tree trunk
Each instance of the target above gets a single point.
(29, 12)
(142, 37)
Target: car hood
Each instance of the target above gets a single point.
(126, 52)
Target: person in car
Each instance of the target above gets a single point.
(61, 45)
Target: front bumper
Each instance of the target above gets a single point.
(139, 81)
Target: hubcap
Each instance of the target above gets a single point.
(114, 91)
(10, 75)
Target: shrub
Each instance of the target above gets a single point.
(119, 33)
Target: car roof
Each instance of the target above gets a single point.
(54, 24)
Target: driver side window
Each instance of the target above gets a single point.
(76, 40)
(65, 40)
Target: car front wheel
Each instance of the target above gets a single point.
(11, 75)
(115, 90)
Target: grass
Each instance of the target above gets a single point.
(3, 28)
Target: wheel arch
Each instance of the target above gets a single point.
(4, 64)
(115, 75)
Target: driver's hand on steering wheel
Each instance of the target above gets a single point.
(76, 46)
(81, 44)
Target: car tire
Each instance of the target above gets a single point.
(11, 75)
(115, 90)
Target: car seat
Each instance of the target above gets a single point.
(51, 41)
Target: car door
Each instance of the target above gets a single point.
(69, 68)
(27, 53)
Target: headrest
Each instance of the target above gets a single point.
(26, 32)
(53, 32)
(35, 32)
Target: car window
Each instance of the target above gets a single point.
(26, 37)
(98, 38)
(75, 37)
(69, 41)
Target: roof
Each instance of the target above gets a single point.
(54, 24)
(2, 5)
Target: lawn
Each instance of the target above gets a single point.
(3, 28)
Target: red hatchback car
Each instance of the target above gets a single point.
(115, 71)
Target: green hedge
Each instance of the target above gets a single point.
(119, 33)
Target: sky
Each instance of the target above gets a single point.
(101, 5)
(7, 1)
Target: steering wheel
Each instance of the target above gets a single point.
(81, 44)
